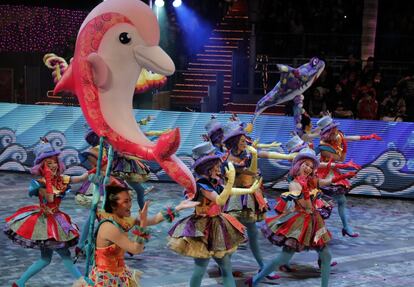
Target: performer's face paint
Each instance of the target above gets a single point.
(52, 164)
(123, 204)
(306, 168)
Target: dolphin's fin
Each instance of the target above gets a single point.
(167, 144)
(101, 72)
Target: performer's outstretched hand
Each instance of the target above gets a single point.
(371, 136)
(252, 150)
(257, 184)
(255, 143)
(143, 215)
(349, 165)
(186, 204)
(230, 173)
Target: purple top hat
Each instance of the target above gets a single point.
(42, 151)
(295, 144)
(213, 126)
(326, 123)
(233, 129)
(203, 153)
(306, 153)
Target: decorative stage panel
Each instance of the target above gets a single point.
(388, 165)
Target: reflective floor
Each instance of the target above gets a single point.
(383, 255)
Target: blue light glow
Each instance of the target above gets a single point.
(196, 30)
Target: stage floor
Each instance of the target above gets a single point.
(382, 256)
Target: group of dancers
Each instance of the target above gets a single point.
(229, 206)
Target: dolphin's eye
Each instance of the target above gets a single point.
(315, 61)
(124, 38)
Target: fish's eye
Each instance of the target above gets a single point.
(315, 61)
(124, 38)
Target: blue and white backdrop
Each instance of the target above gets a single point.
(388, 165)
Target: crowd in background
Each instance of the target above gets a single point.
(360, 93)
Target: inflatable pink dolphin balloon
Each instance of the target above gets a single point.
(116, 40)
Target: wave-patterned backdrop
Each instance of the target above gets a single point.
(388, 165)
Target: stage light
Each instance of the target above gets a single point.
(177, 3)
(159, 3)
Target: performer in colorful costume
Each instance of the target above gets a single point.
(208, 232)
(302, 227)
(125, 171)
(285, 205)
(111, 240)
(333, 148)
(45, 226)
(250, 208)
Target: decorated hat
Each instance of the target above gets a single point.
(204, 148)
(295, 144)
(203, 153)
(233, 128)
(44, 150)
(213, 125)
(326, 123)
(306, 153)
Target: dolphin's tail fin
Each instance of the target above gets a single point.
(163, 152)
(261, 106)
(180, 173)
(66, 82)
(167, 144)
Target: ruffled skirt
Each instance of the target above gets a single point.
(297, 231)
(323, 206)
(126, 278)
(246, 208)
(130, 168)
(30, 227)
(206, 237)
